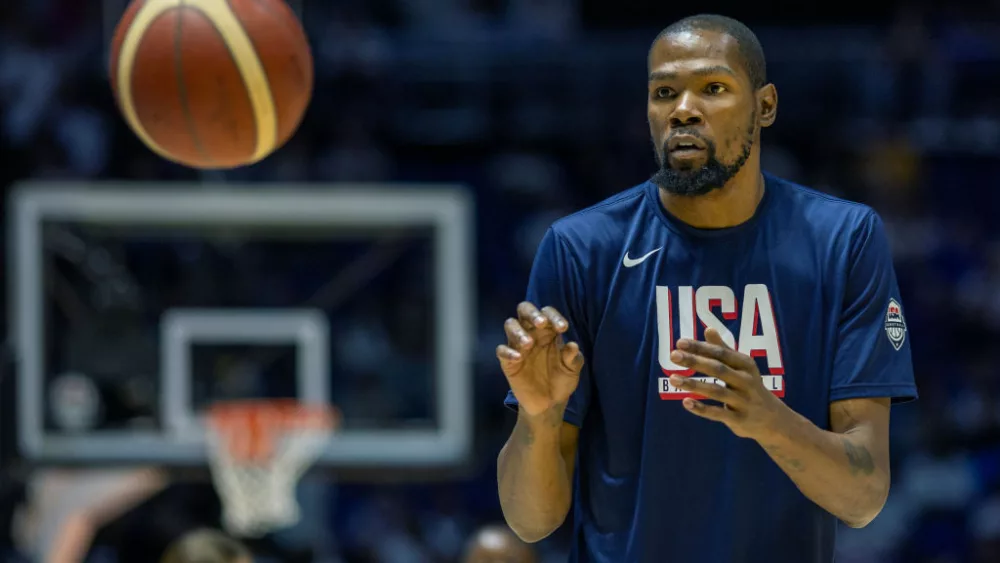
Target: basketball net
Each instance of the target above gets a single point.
(258, 451)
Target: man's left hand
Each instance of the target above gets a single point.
(748, 408)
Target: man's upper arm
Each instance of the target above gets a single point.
(873, 346)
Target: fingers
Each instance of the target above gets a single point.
(712, 336)
(528, 313)
(535, 327)
(517, 336)
(548, 317)
(716, 349)
(709, 367)
(511, 361)
(555, 318)
(572, 358)
(718, 414)
(706, 389)
(508, 355)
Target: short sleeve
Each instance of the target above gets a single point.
(873, 353)
(555, 281)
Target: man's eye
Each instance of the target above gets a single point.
(664, 92)
(715, 89)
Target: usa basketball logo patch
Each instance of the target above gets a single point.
(895, 325)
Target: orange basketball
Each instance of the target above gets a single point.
(211, 84)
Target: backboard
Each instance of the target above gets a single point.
(133, 307)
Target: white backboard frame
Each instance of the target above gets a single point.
(446, 208)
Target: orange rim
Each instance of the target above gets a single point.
(250, 428)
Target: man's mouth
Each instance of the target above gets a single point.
(681, 146)
(686, 150)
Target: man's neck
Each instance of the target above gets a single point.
(729, 206)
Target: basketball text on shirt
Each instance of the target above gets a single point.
(758, 330)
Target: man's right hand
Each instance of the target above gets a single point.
(542, 370)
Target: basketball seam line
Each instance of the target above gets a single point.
(131, 43)
(260, 142)
(182, 87)
(289, 28)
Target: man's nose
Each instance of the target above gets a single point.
(685, 112)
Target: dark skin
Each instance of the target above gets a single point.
(535, 467)
(696, 83)
(844, 469)
(497, 544)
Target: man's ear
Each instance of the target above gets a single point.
(767, 104)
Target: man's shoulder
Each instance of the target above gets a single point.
(821, 211)
(601, 221)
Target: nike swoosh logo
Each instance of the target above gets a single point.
(632, 262)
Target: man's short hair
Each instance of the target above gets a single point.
(206, 546)
(748, 47)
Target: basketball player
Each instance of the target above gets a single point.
(705, 362)
(497, 544)
(207, 546)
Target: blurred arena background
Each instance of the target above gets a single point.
(443, 138)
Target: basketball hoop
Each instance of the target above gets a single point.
(258, 451)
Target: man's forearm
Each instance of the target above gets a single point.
(533, 480)
(836, 471)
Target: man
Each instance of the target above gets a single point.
(497, 544)
(207, 546)
(705, 362)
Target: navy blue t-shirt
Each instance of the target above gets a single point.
(806, 286)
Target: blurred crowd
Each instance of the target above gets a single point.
(539, 115)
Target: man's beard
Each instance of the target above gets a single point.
(699, 181)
